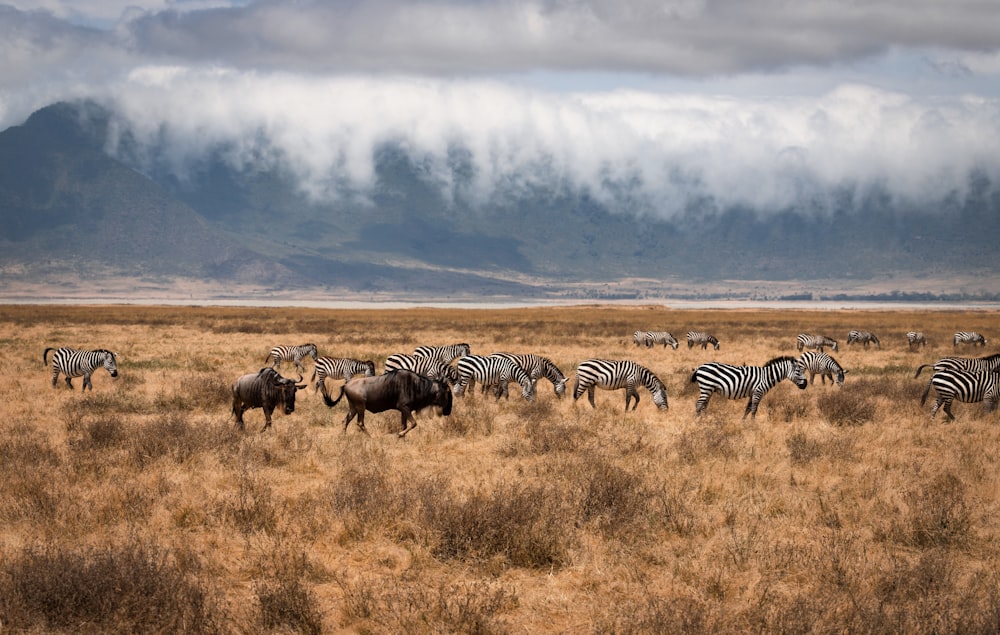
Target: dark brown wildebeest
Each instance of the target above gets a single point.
(265, 389)
(400, 390)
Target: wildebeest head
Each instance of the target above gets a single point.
(285, 386)
(442, 397)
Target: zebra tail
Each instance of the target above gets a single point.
(330, 403)
(927, 391)
(45, 355)
(694, 378)
(921, 368)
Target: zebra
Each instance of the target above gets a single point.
(616, 374)
(446, 354)
(697, 337)
(965, 387)
(294, 354)
(736, 382)
(340, 368)
(662, 337)
(821, 364)
(537, 367)
(495, 370)
(863, 337)
(641, 338)
(431, 367)
(818, 342)
(987, 364)
(969, 337)
(76, 363)
(915, 339)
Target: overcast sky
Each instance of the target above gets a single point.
(771, 103)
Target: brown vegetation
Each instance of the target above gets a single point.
(139, 507)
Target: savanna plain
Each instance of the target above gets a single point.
(139, 507)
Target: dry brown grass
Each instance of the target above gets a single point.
(140, 507)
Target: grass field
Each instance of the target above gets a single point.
(139, 507)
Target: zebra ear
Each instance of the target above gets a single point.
(846, 371)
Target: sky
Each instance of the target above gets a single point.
(774, 104)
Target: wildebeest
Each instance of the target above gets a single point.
(265, 389)
(401, 390)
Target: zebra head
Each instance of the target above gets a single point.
(797, 373)
(110, 362)
(660, 397)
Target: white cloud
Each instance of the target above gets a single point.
(766, 153)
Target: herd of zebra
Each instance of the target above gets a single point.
(968, 380)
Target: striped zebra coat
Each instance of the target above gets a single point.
(737, 382)
(915, 339)
(987, 364)
(446, 354)
(79, 363)
(538, 367)
(863, 337)
(294, 354)
(952, 385)
(816, 363)
(618, 374)
(431, 367)
(818, 342)
(340, 368)
(704, 339)
(494, 370)
(969, 337)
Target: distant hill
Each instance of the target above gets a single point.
(66, 201)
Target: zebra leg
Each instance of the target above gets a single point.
(55, 378)
(87, 384)
(629, 394)
(590, 397)
(947, 410)
(937, 405)
(752, 406)
(702, 402)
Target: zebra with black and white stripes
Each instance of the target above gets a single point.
(431, 367)
(915, 339)
(72, 363)
(951, 385)
(492, 370)
(822, 364)
(340, 368)
(987, 364)
(818, 342)
(538, 367)
(863, 337)
(662, 337)
(446, 354)
(969, 337)
(737, 382)
(293, 354)
(704, 339)
(618, 374)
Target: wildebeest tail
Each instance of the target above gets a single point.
(330, 403)
(921, 368)
(45, 356)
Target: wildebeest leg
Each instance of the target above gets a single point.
(347, 419)
(267, 418)
(407, 419)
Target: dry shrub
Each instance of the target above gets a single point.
(847, 408)
(713, 438)
(657, 614)
(938, 513)
(387, 604)
(23, 446)
(173, 435)
(367, 495)
(516, 525)
(251, 508)
(134, 587)
(802, 449)
(205, 391)
(284, 597)
(545, 436)
(606, 495)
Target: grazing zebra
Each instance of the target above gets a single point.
(651, 338)
(75, 363)
(915, 339)
(697, 337)
(640, 338)
(616, 374)
(494, 370)
(446, 354)
(965, 387)
(818, 342)
(736, 382)
(863, 337)
(431, 367)
(823, 365)
(294, 354)
(340, 368)
(969, 337)
(988, 364)
(537, 367)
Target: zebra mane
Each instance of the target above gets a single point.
(780, 360)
